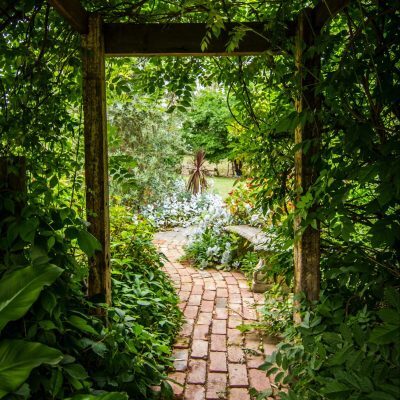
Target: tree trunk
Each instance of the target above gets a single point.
(238, 165)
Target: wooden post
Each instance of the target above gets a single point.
(96, 158)
(307, 245)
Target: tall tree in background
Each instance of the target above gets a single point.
(146, 151)
(206, 125)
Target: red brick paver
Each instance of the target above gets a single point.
(213, 360)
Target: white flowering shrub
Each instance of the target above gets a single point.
(182, 208)
(209, 244)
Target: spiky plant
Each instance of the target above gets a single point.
(197, 182)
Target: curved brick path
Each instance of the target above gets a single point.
(213, 360)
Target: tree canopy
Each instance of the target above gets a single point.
(206, 124)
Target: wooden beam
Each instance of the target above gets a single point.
(181, 39)
(307, 242)
(325, 10)
(73, 12)
(96, 158)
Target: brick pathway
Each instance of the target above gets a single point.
(213, 360)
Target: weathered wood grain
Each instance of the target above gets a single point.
(307, 244)
(96, 158)
(181, 39)
(73, 12)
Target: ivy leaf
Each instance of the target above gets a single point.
(100, 349)
(88, 243)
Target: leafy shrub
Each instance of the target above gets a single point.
(332, 355)
(276, 312)
(62, 348)
(248, 262)
(139, 283)
(205, 124)
(241, 203)
(146, 151)
(347, 345)
(209, 244)
(180, 208)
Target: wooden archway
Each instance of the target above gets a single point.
(125, 39)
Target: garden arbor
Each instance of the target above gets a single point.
(101, 39)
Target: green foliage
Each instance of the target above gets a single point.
(146, 151)
(206, 251)
(131, 353)
(242, 204)
(276, 312)
(339, 355)
(41, 119)
(139, 283)
(20, 289)
(247, 262)
(209, 245)
(347, 344)
(107, 396)
(88, 243)
(205, 125)
(18, 358)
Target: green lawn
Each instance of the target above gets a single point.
(222, 186)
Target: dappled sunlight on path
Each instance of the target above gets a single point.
(213, 360)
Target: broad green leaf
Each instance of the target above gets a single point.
(18, 358)
(39, 255)
(106, 396)
(56, 381)
(81, 324)
(380, 396)
(335, 387)
(20, 289)
(88, 243)
(389, 316)
(76, 371)
(392, 297)
(27, 230)
(99, 348)
(385, 334)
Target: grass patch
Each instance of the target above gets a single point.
(222, 185)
